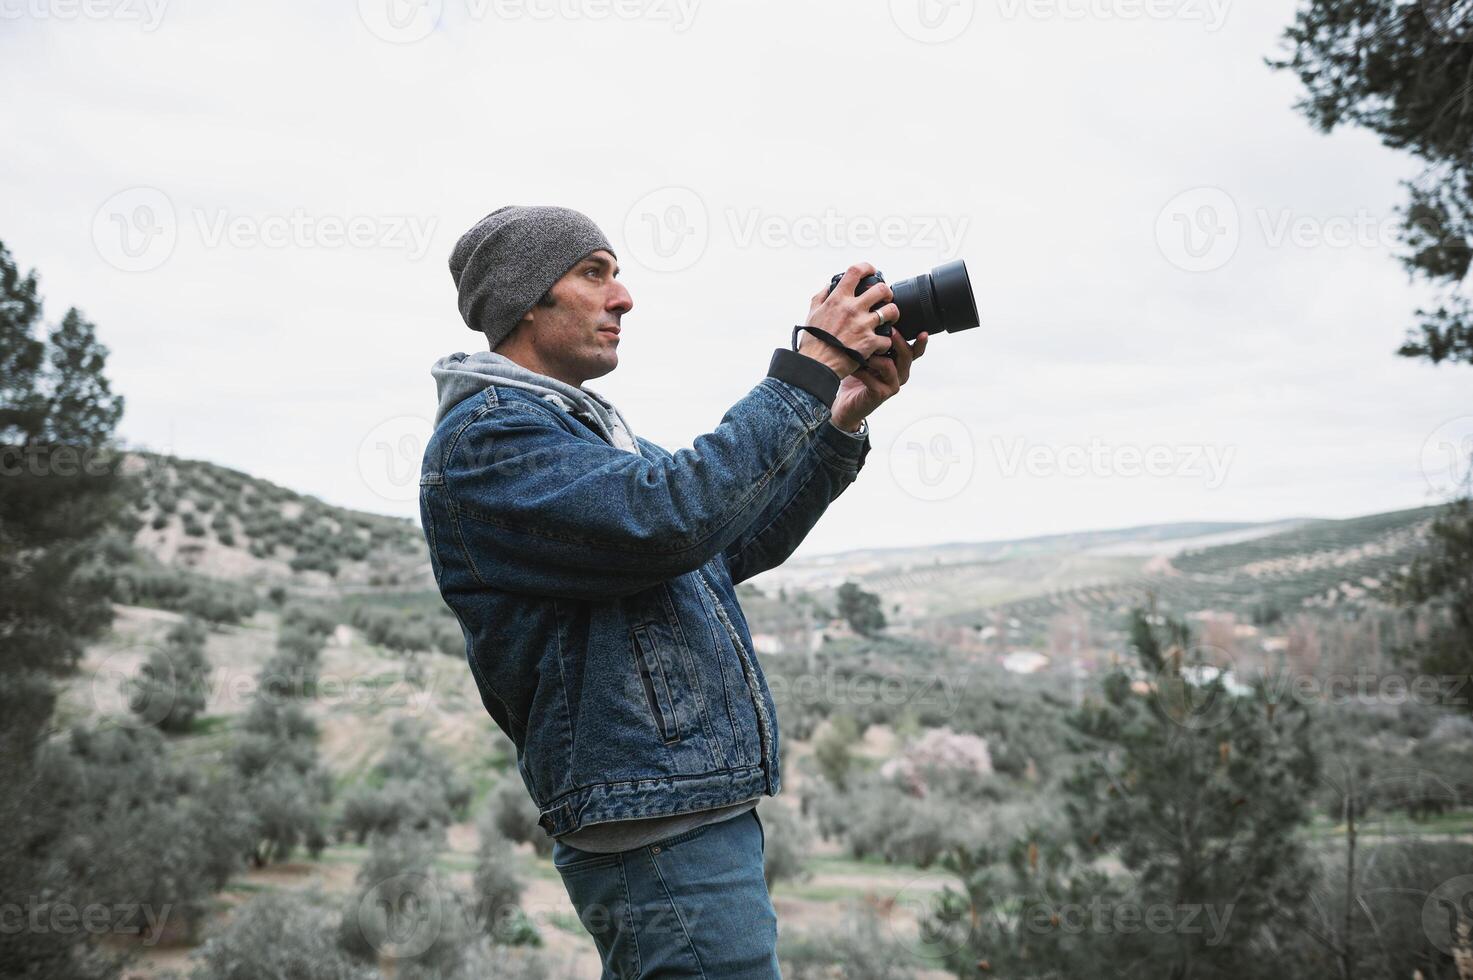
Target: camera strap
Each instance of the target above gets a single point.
(832, 341)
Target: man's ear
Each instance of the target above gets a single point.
(524, 324)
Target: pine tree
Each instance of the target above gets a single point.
(1405, 72)
(1193, 794)
(60, 490)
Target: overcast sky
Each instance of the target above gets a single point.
(1190, 299)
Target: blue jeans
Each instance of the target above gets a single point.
(692, 905)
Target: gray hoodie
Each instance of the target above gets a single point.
(460, 375)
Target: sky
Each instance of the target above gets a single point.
(1189, 297)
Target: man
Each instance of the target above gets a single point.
(594, 575)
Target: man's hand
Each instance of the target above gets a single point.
(849, 319)
(866, 389)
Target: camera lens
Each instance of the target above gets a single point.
(936, 302)
(939, 301)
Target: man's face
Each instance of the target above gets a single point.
(577, 338)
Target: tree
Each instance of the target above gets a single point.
(61, 486)
(60, 490)
(278, 934)
(1405, 72)
(832, 751)
(861, 610)
(1196, 794)
(288, 789)
(173, 685)
(497, 889)
(1442, 578)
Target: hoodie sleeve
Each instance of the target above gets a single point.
(540, 511)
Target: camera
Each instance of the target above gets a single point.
(937, 301)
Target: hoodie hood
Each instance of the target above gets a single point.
(460, 375)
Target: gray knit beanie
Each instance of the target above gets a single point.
(511, 257)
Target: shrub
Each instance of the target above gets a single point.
(172, 686)
(404, 908)
(498, 889)
(278, 934)
(863, 949)
(515, 815)
(786, 841)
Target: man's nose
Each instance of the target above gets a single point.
(619, 300)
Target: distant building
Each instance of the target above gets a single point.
(1024, 662)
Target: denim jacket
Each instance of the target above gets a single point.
(596, 587)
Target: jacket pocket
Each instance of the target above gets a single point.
(651, 666)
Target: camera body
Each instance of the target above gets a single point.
(939, 301)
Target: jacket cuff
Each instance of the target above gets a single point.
(802, 371)
(846, 450)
